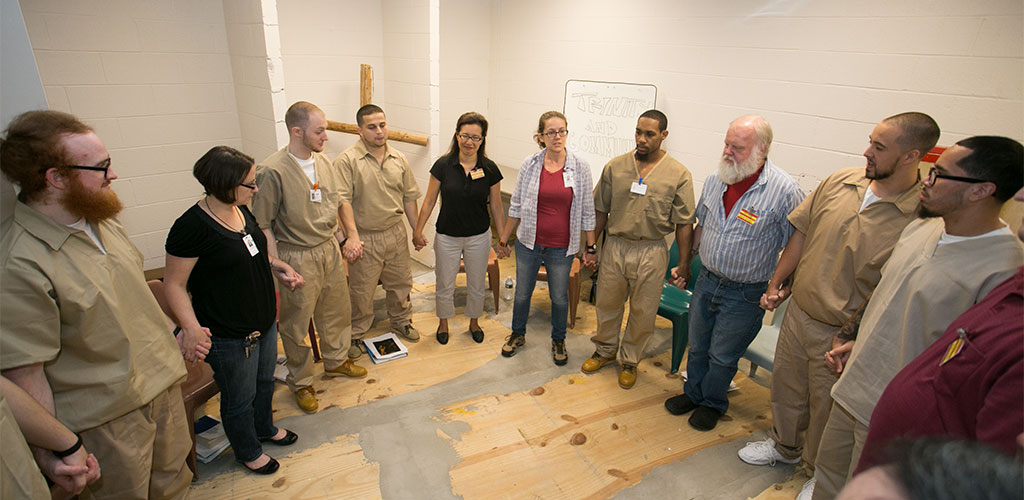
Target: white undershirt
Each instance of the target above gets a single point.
(82, 225)
(869, 198)
(307, 166)
(947, 238)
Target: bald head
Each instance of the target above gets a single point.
(761, 129)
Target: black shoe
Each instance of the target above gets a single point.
(289, 438)
(442, 337)
(478, 336)
(705, 418)
(270, 468)
(679, 405)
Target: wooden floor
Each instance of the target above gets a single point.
(599, 438)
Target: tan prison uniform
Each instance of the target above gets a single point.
(378, 194)
(304, 230)
(841, 262)
(634, 257)
(19, 475)
(924, 287)
(106, 352)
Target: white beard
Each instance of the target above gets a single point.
(731, 172)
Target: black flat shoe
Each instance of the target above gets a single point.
(442, 337)
(270, 468)
(289, 438)
(478, 335)
(704, 418)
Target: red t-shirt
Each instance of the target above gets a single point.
(554, 202)
(734, 192)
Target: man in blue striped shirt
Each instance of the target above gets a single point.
(741, 228)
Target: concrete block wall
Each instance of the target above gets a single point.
(254, 49)
(154, 80)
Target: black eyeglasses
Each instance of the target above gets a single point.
(934, 174)
(102, 167)
(551, 134)
(474, 138)
(250, 186)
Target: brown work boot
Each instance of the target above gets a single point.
(627, 377)
(349, 369)
(306, 398)
(595, 362)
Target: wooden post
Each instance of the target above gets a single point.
(365, 84)
(393, 135)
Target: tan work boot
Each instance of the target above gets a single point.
(306, 398)
(595, 362)
(627, 377)
(349, 369)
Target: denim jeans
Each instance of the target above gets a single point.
(724, 319)
(246, 391)
(558, 265)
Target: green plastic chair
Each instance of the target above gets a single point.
(675, 305)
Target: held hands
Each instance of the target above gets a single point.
(353, 249)
(836, 359)
(72, 472)
(773, 297)
(287, 275)
(680, 277)
(419, 241)
(502, 250)
(590, 260)
(194, 344)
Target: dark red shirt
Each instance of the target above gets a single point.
(733, 192)
(976, 394)
(554, 202)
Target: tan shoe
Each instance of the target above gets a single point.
(595, 362)
(306, 398)
(627, 377)
(349, 369)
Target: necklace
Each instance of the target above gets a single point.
(241, 232)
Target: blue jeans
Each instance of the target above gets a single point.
(724, 319)
(558, 265)
(246, 391)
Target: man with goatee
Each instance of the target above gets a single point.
(79, 329)
(845, 231)
(741, 228)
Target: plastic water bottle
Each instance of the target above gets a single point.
(510, 285)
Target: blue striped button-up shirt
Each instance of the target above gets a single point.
(732, 246)
(523, 204)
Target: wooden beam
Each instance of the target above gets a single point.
(365, 84)
(393, 135)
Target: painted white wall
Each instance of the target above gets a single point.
(154, 80)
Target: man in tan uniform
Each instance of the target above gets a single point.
(642, 196)
(942, 264)
(79, 329)
(377, 189)
(845, 231)
(297, 208)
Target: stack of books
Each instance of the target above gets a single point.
(210, 439)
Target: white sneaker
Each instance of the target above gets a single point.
(807, 491)
(763, 453)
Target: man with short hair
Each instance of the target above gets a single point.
(942, 264)
(741, 229)
(845, 231)
(377, 189)
(79, 329)
(297, 208)
(641, 197)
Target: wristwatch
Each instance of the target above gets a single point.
(591, 248)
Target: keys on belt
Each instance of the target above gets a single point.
(250, 342)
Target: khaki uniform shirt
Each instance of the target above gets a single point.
(923, 289)
(651, 216)
(88, 317)
(844, 249)
(378, 193)
(19, 476)
(283, 202)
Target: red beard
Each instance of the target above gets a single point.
(94, 206)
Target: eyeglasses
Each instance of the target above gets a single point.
(551, 134)
(934, 174)
(467, 137)
(250, 186)
(102, 167)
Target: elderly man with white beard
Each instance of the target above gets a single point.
(741, 228)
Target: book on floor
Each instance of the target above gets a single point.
(384, 348)
(210, 439)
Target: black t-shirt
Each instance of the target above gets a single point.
(232, 291)
(463, 198)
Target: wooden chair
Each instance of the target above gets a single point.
(493, 276)
(574, 288)
(198, 388)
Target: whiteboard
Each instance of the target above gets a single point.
(602, 118)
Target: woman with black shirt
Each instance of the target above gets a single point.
(217, 252)
(466, 180)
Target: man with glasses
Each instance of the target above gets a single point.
(377, 191)
(942, 264)
(297, 208)
(79, 329)
(641, 197)
(845, 231)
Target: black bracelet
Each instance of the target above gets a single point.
(70, 451)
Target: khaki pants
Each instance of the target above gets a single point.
(142, 453)
(841, 445)
(385, 259)
(633, 270)
(801, 384)
(324, 299)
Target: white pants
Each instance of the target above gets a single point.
(448, 252)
